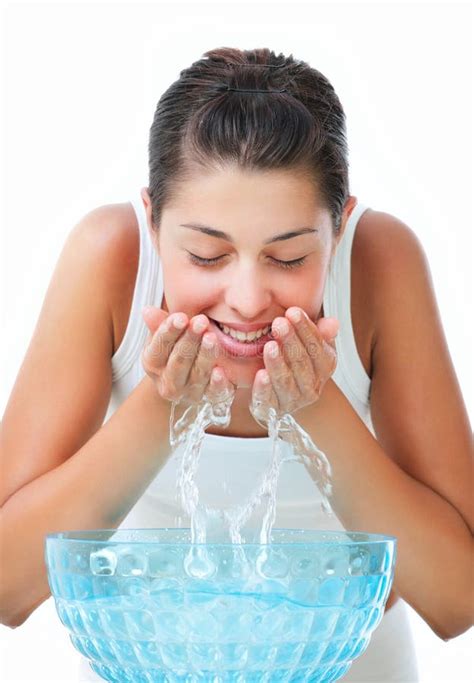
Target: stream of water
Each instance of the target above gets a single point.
(189, 430)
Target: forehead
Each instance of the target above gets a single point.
(234, 197)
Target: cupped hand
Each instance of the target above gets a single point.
(295, 377)
(179, 361)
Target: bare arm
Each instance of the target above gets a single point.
(61, 468)
(373, 494)
(93, 489)
(414, 480)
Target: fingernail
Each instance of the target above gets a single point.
(207, 342)
(199, 326)
(179, 322)
(282, 327)
(295, 316)
(273, 351)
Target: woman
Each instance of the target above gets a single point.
(247, 219)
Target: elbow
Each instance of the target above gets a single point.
(456, 629)
(454, 624)
(10, 619)
(451, 614)
(12, 615)
(453, 633)
(457, 615)
(12, 624)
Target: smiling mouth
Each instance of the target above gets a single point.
(244, 337)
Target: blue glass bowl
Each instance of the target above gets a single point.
(148, 605)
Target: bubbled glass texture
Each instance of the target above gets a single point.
(146, 605)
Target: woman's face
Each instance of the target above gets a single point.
(248, 282)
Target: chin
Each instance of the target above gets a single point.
(242, 373)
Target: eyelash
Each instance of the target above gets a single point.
(199, 261)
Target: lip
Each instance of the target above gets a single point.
(240, 349)
(252, 327)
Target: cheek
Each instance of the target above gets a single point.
(306, 293)
(185, 290)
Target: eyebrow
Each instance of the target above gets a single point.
(214, 232)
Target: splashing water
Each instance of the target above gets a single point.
(206, 520)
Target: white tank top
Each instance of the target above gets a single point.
(230, 465)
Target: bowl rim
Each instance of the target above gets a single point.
(125, 536)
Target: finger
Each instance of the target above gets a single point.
(262, 387)
(281, 377)
(219, 387)
(158, 349)
(323, 354)
(295, 355)
(185, 352)
(262, 390)
(263, 398)
(200, 374)
(329, 329)
(153, 317)
(309, 334)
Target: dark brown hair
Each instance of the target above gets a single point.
(201, 125)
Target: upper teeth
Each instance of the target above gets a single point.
(245, 336)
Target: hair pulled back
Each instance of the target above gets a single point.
(200, 125)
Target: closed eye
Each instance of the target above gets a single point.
(207, 262)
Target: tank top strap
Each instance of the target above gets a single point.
(148, 291)
(350, 373)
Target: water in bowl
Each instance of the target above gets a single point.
(287, 612)
(239, 612)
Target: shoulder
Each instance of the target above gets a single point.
(113, 227)
(384, 248)
(382, 236)
(112, 233)
(392, 258)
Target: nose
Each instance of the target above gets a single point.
(248, 295)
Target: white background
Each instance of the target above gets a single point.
(80, 83)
